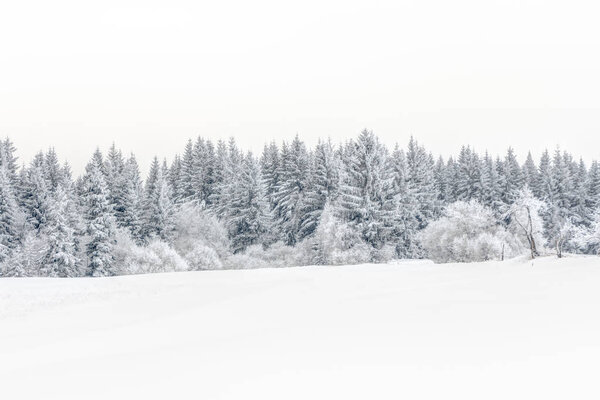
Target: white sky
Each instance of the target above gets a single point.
(150, 74)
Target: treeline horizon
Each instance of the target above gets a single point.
(380, 198)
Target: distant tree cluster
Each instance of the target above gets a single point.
(216, 206)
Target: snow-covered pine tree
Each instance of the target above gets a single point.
(511, 177)
(366, 194)
(420, 181)
(185, 186)
(101, 227)
(269, 163)
(323, 186)
(151, 182)
(580, 212)
(469, 175)
(247, 217)
(593, 185)
(490, 185)
(221, 161)
(114, 165)
(175, 177)
(9, 159)
(544, 187)
(200, 170)
(439, 177)
(406, 208)
(35, 195)
(229, 159)
(451, 177)
(160, 209)
(210, 179)
(52, 170)
(291, 193)
(131, 215)
(531, 174)
(60, 259)
(8, 218)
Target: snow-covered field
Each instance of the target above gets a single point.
(512, 330)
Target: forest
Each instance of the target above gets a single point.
(215, 206)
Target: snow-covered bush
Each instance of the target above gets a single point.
(156, 257)
(467, 232)
(277, 255)
(588, 239)
(203, 258)
(194, 226)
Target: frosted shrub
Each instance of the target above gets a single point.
(467, 232)
(588, 239)
(244, 261)
(203, 258)
(156, 257)
(170, 260)
(275, 256)
(194, 225)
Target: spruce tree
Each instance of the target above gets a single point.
(160, 209)
(35, 196)
(511, 177)
(60, 259)
(531, 174)
(131, 215)
(270, 168)
(99, 220)
(248, 211)
(292, 189)
(185, 186)
(323, 187)
(8, 211)
(366, 197)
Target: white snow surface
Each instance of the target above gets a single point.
(411, 330)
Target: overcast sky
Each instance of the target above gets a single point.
(150, 74)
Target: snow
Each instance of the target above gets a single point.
(497, 330)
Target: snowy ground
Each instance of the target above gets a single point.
(412, 330)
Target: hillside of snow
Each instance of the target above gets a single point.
(411, 330)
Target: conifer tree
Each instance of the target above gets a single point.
(366, 197)
(469, 175)
(270, 168)
(291, 193)
(60, 260)
(420, 181)
(544, 187)
(130, 216)
(185, 187)
(511, 177)
(8, 217)
(593, 186)
(35, 196)
(531, 174)
(406, 208)
(322, 187)
(99, 220)
(159, 221)
(248, 212)
(9, 160)
(52, 170)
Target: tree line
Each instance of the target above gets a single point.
(334, 203)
